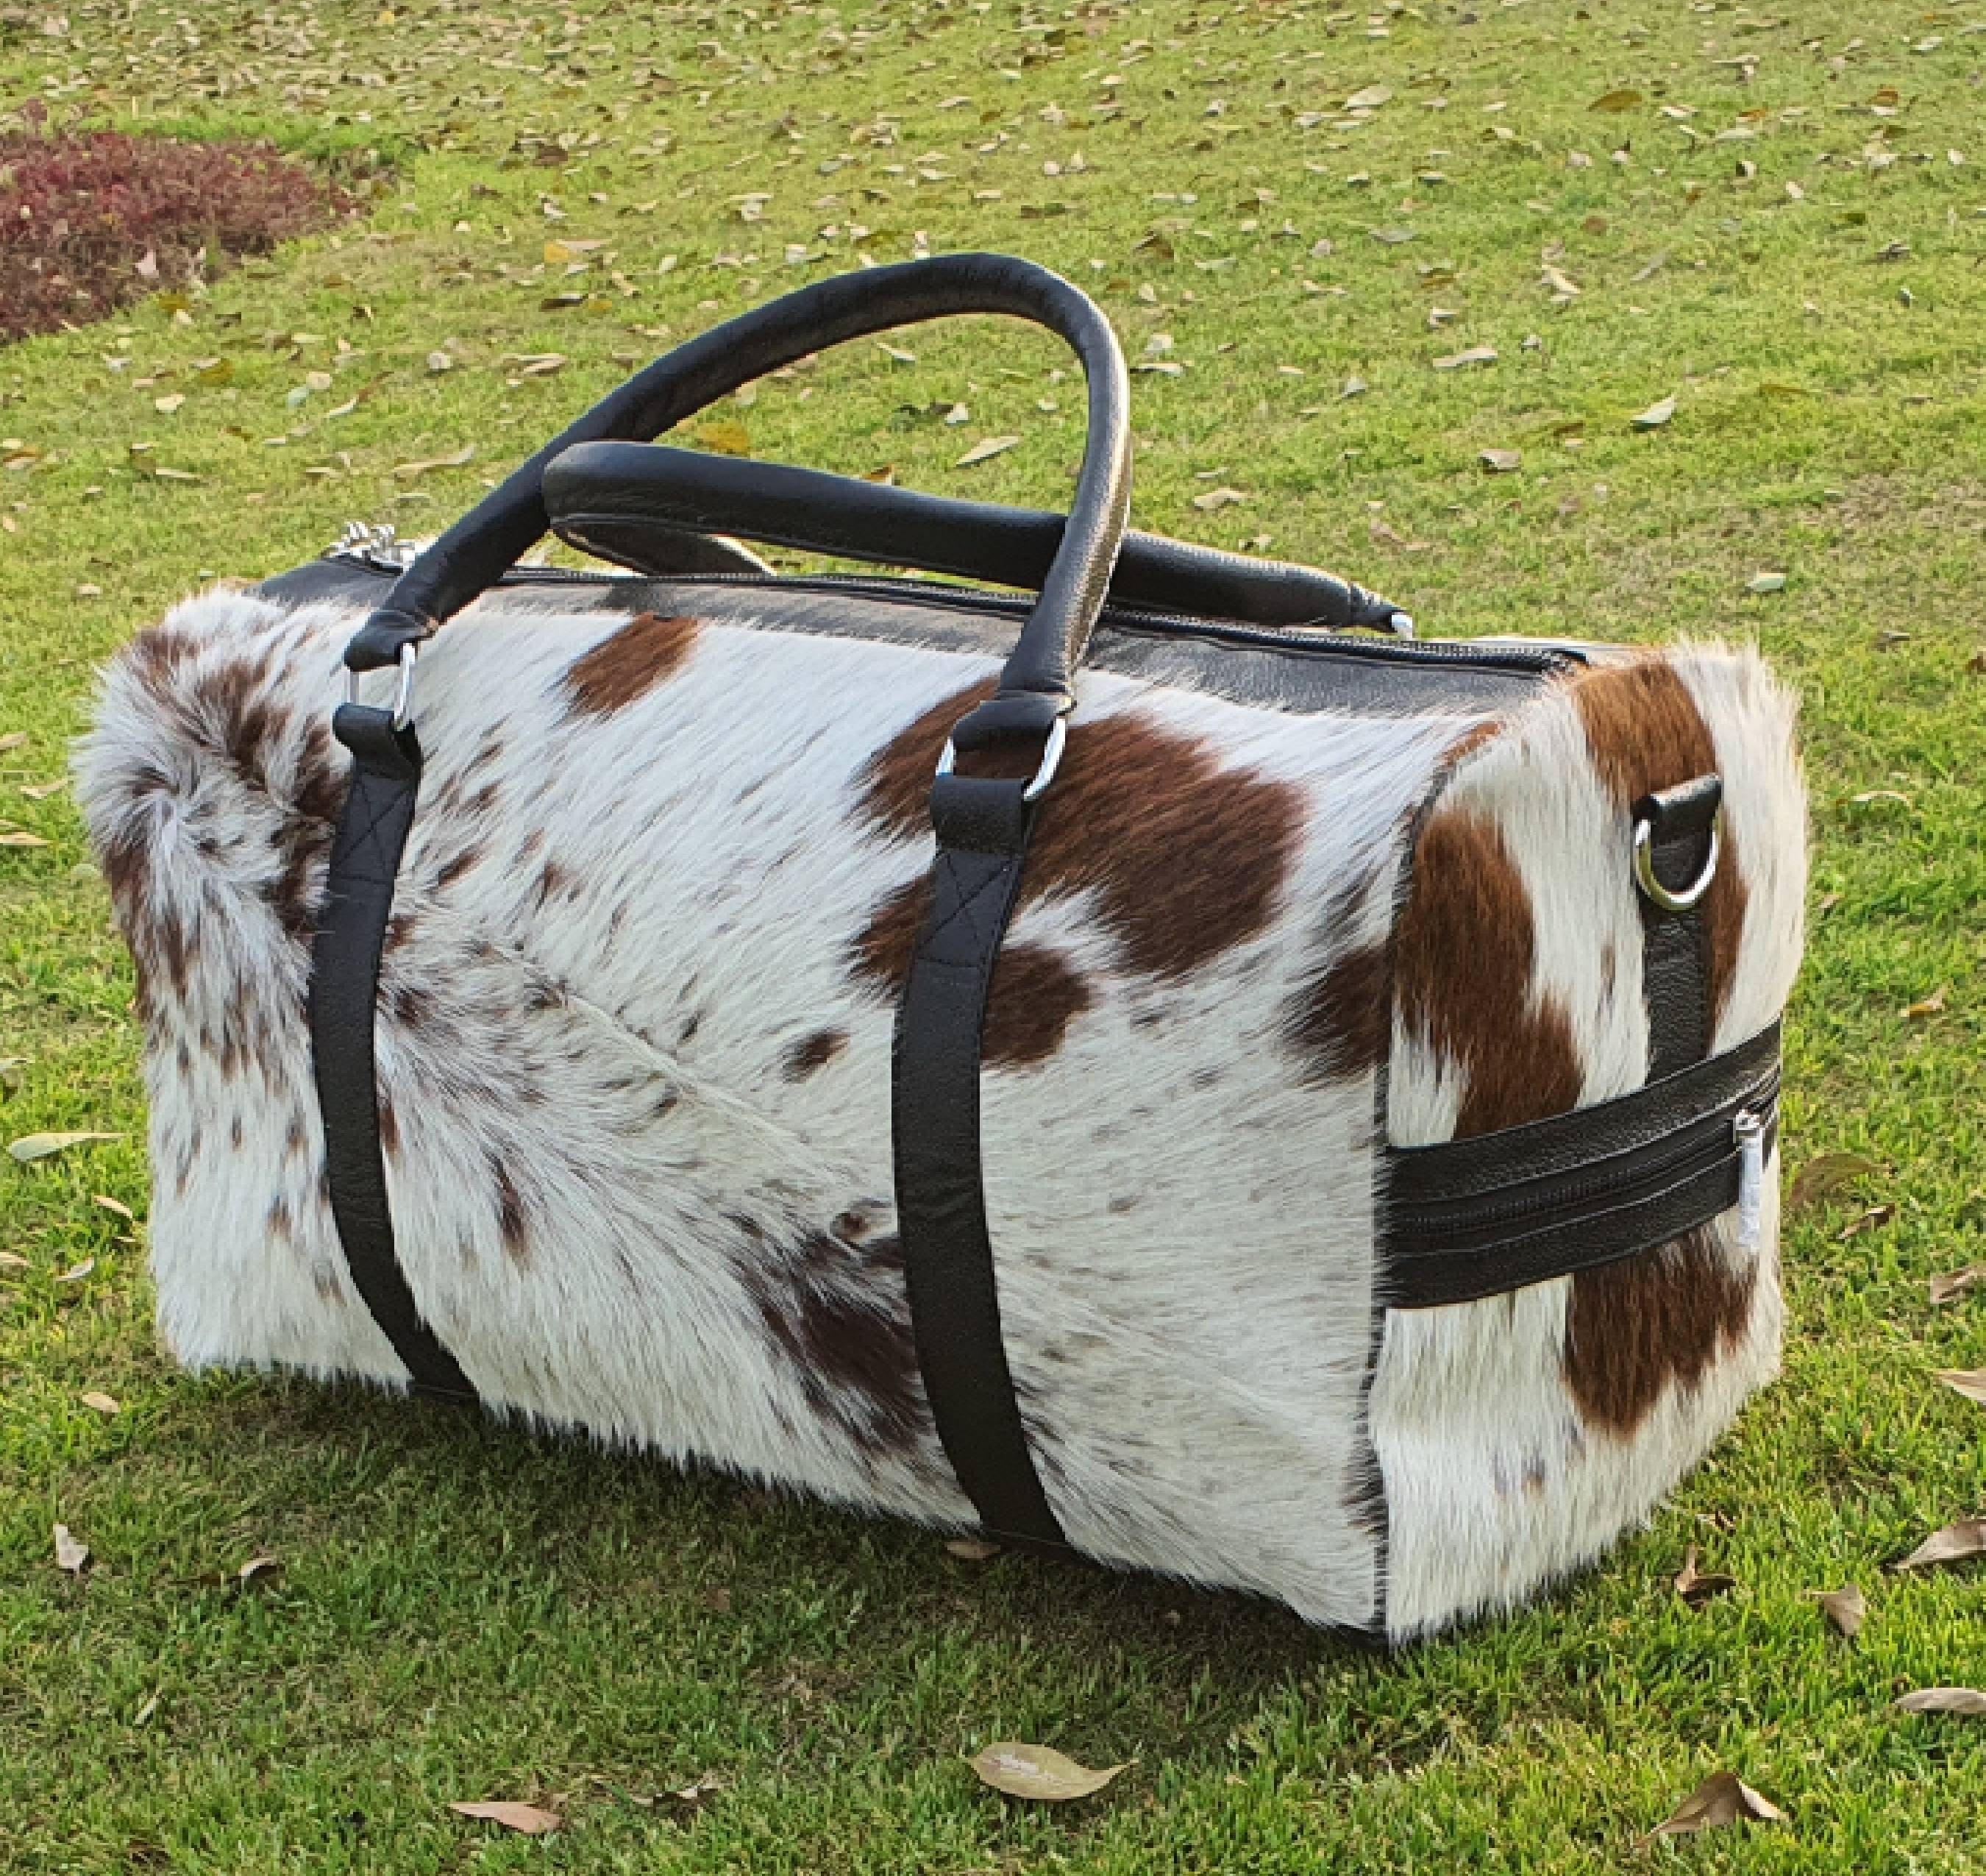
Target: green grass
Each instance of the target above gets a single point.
(466, 1613)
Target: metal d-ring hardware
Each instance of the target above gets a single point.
(403, 697)
(1652, 888)
(1051, 760)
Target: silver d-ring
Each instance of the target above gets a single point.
(403, 696)
(1653, 889)
(1051, 760)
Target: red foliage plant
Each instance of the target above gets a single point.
(90, 220)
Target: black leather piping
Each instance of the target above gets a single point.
(1475, 1218)
(371, 835)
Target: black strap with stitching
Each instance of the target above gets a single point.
(344, 996)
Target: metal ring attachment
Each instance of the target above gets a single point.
(403, 696)
(1051, 760)
(1652, 889)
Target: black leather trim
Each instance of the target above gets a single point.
(1675, 973)
(1295, 671)
(1475, 1218)
(632, 502)
(982, 831)
(371, 835)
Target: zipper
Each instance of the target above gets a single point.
(365, 547)
(1699, 1148)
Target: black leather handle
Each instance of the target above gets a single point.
(634, 503)
(488, 541)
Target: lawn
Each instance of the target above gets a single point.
(1778, 223)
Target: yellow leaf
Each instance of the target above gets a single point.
(1039, 1771)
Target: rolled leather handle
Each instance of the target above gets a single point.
(608, 497)
(473, 554)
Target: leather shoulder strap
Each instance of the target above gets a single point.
(344, 995)
(983, 828)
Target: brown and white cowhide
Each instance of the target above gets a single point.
(634, 1043)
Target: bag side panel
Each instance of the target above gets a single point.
(634, 1044)
(1520, 1434)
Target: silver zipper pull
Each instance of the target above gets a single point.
(1748, 1129)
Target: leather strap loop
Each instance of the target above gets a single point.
(486, 542)
(365, 852)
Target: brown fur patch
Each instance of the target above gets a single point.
(1646, 734)
(1466, 949)
(1659, 1319)
(1186, 860)
(813, 1053)
(618, 670)
(834, 1306)
(1338, 1022)
(511, 1219)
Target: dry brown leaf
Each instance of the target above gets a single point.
(70, 1555)
(1723, 1798)
(1502, 462)
(116, 1205)
(1954, 1284)
(13, 1260)
(1368, 99)
(1459, 361)
(97, 1403)
(1655, 416)
(972, 1549)
(1037, 1772)
(1932, 1005)
(526, 1820)
(1846, 1608)
(21, 839)
(1873, 1220)
(986, 448)
(41, 1145)
(1967, 1700)
(1970, 1382)
(460, 460)
(1697, 1587)
(76, 1272)
(1819, 1177)
(1957, 1543)
(258, 1572)
(1215, 500)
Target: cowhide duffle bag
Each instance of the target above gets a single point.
(1155, 1068)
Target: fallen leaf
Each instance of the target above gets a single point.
(440, 362)
(526, 1820)
(1655, 416)
(1932, 1005)
(1695, 1587)
(1829, 1173)
(258, 1572)
(1392, 237)
(1459, 361)
(1846, 1608)
(1957, 1543)
(70, 1555)
(165, 406)
(114, 1204)
(972, 1549)
(1873, 1220)
(461, 460)
(1723, 1798)
(1967, 1700)
(985, 450)
(13, 739)
(1953, 1285)
(1215, 500)
(1766, 583)
(1037, 1772)
(1369, 99)
(896, 352)
(76, 1272)
(21, 839)
(41, 1145)
(105, 1404)
(13, 1260)
(1615, 102)
(1970, 1382)
(1502, 462)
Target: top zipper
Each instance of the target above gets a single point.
(378, 551)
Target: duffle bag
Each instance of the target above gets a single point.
(1121, 1048)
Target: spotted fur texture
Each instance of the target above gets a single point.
(634, 1026)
